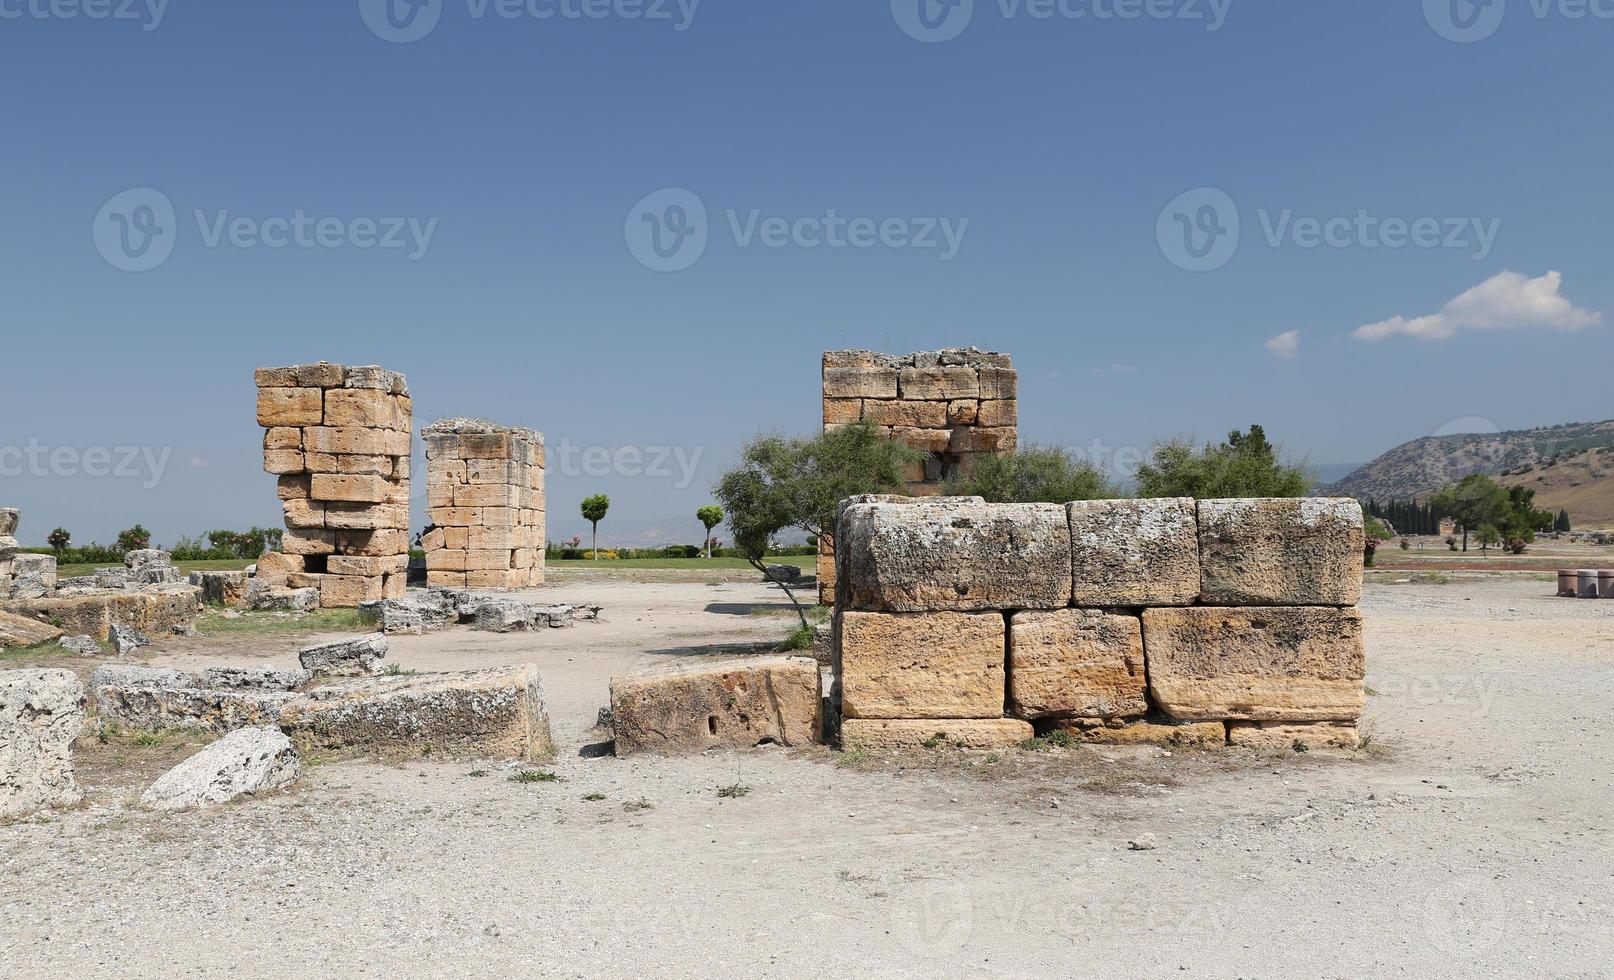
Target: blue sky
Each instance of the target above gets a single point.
(1052, 147)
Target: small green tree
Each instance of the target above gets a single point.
(136, 538)
(1246, 465)
(1562, 524)
(709, 517)
(594, 509)
(1473, 503)
(1489, 537)
(1030, 475)
(59, 539)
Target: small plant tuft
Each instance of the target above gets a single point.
(534, 776)
(733, 791)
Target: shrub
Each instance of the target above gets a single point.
(133, 539)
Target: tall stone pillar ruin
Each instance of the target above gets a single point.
(485, 499)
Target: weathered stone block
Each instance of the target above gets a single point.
(254, 678)
(283, 438)
(275, 567)
(345, 658)
(934, 733)
(376, 377)
(252, 760)
(281, 407)
(953, 554)
(1134, 552)
(1076, 663)
(284, 462)
(999, 382)
(1140, 731)
(321, 375)
(41, 713)
(922, 665)
(1282, 552)
(367, 407)
(154, 611)
(978, 439)
(489, 713)
(843, 410)
(907, 414)
(188, 708)
(728, 703)
(939, 383)
(10, 517)
(308, 541)
(963, 411)
(1290, 736)
(24, 631)
(860, 383)
(924, 440)
(353, 487)
(1256, 664)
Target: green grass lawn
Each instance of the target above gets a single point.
(230, 565)
(807, 562)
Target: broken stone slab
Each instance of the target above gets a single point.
(138, 678)
(126, 640)
(84, 646)
(22, 631)
(490, 713)
(274, 599)
(1275, 663)
(142, 557)
(934, 733)
(1140, 731)
(28, 587)
(220, 588)
(41, 713)
(244, 762)
(43, 566)
(1134, 552)
(1076, 663)
(112, 578)
(504, 616)
(728, 703)
(345, 658)
(156, 609)
(254, 678)
(955, 554)
(1281, 552)
(1270, 736)
(188, 708)
(922, 665)
(554, 617)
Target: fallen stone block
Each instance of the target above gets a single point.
(1140, 731)
(1285, 552)
(9, 518)
(188, 708)
(1134, 552)
(141, 678)
(43, 566)
(84, 646)
(41, 713)
(954, 554)
(1256, 664)
(254, 678)
(554, 617)
(345, 658)
(934, 733)
(22, 631)
(723, 704)
(126, 640)
(248, 761)
(790, 574)
(1270, 736)
(504, 616)
(271, 599)
(28, 587)
(1076, 663)
(922, 665)
(489, 713)
(150, 610)
(220, 588)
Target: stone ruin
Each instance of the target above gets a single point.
(339, 440)
(1173, 621)
(953, 405)
(485, 504)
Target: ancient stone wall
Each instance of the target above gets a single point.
(9, 518)
(339, 439)
(1205, 623)
(485, 494)
(953, 405)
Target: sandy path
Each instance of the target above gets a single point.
(1474, 840)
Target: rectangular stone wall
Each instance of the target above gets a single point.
(485, 499)
(953, 405)
(1203, 623)
(339, 440)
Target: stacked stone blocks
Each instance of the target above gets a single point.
(953, 405)
(485, 499)
(338, 438)
(1201, 623)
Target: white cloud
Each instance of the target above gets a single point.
(1286, 345)
(198, 462)
(1506, 301)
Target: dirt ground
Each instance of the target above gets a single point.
(1473, 837)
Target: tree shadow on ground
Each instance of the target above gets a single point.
(748, 608)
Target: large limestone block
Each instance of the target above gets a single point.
(922, 665)
(1134, 552)
(244, 762)
(999, 383)
(1271, 736)
(41, 713)
(366, 407)
(1256, 664)
(321, 375)
(137, 676)
(1282, 552)
(860, 382)
(43, 566)
(934, 733)
(998, 413)
(907, 414)
(1140, 731)
(152, 611)
(841, 411)
(955, 554)
(345, 658)
(376, 377)
(151, 708)
(283, 407)
(24, 631)
(939, 383)
(349, 487)
(10, 517)
(495, 712)
(220, 588)
(727, 703)
(1077, 663)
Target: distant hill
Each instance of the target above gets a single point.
(1582, 484)
(1424, 466)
